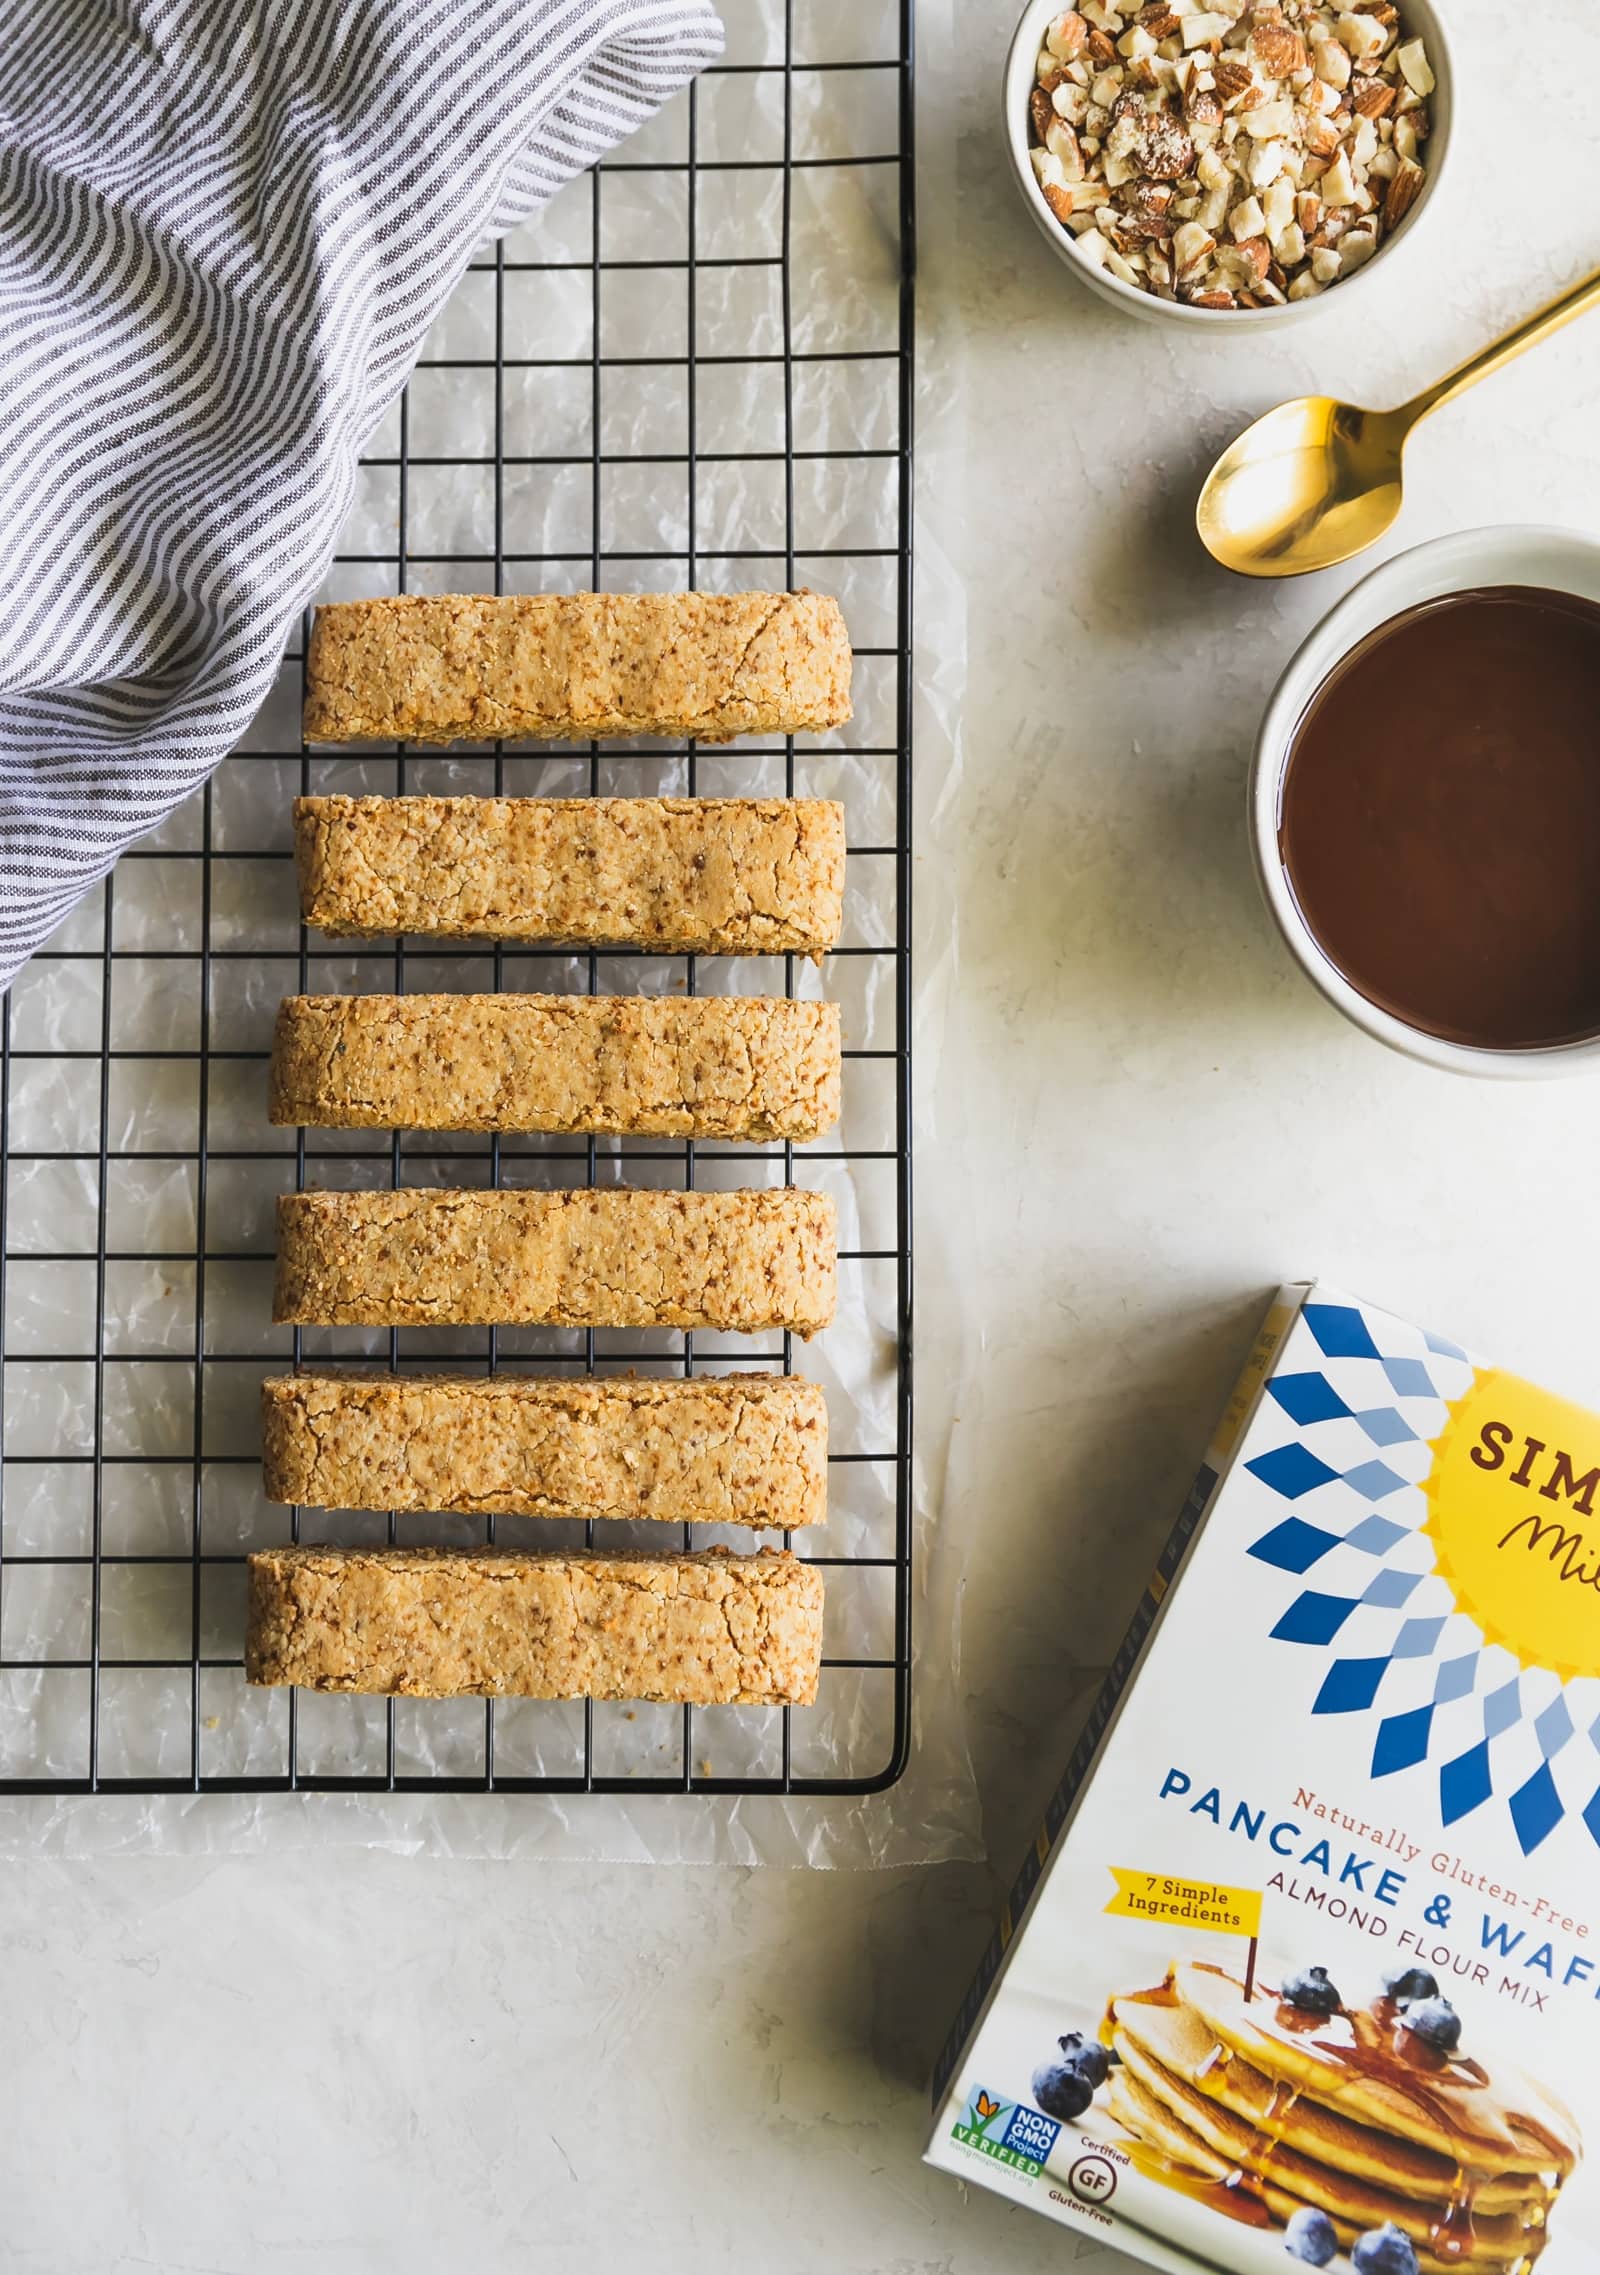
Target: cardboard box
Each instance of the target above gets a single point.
(1339, 1801)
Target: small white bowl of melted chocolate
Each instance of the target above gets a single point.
(1425, 803)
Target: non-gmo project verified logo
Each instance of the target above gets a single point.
(1007, 2131)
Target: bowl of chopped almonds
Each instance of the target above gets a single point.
(1222, 161)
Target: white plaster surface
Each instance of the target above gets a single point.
(1134, 1117)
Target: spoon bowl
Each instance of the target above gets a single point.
(1304, 488)
(1317, 480)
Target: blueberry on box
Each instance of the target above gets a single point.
(1311, 1991)
(1384, 2251)
(1403, 1984)
(1310, 2236)
(1061, 2090)
(1435, 2022)
(1085, 2055)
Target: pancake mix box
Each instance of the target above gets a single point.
(1305, 1963)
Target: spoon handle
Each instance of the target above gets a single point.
(1574, 302)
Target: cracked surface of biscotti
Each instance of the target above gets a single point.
(707, 1630)
(618, 1256)
(714, 876)
(642, 1066)
(745, 1449)
(475, 667)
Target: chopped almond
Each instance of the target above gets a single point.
(1230, 154)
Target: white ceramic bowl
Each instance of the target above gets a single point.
(1554, 560)
(1417, 16)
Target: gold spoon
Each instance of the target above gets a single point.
(1317, 480)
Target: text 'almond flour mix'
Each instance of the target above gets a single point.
(1305, 1963)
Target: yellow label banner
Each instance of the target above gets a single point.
(1185, 1903)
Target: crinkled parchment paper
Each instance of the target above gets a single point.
(180, 1442)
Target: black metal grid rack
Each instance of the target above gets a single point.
(136, 1166)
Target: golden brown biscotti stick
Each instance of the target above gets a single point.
(643, 1066)
(567, 666)
(742, 1449)
(619, 1256)
(708, 1630)
(718, 876)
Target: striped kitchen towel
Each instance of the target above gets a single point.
(225, 226)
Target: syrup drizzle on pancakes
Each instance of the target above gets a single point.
(1256, 2107)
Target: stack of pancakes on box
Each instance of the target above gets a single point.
(1346, 2112)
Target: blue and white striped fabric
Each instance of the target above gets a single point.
(225, 226)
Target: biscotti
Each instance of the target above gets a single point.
(709, 1630)
(697, 1066)
(746, 1449)
(728, 876)
(618, 1256)
(568, 666)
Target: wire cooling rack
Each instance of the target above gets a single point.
(694, 368)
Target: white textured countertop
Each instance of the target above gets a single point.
(1134, 1117)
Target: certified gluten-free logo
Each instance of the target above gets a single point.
(1093, 2179)
(1512, 1512)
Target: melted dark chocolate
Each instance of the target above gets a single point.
(1440, 817)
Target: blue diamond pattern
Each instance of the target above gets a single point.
(1374, 1480)
(1465, 1783)
(1553, 1728)
(1410, 1378)
(1350, 1686)
(1387, 1428)
(1314, 1619)
(1418, 1639)
(1375, 1535)
(1317, 1401)
(1291, 1470)
(1309, 1398)
(1389, 1589)
(1536, 1809)
(1340, 1330)
(1294, 1546)
(1456, 1678)
(1402, 1741)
